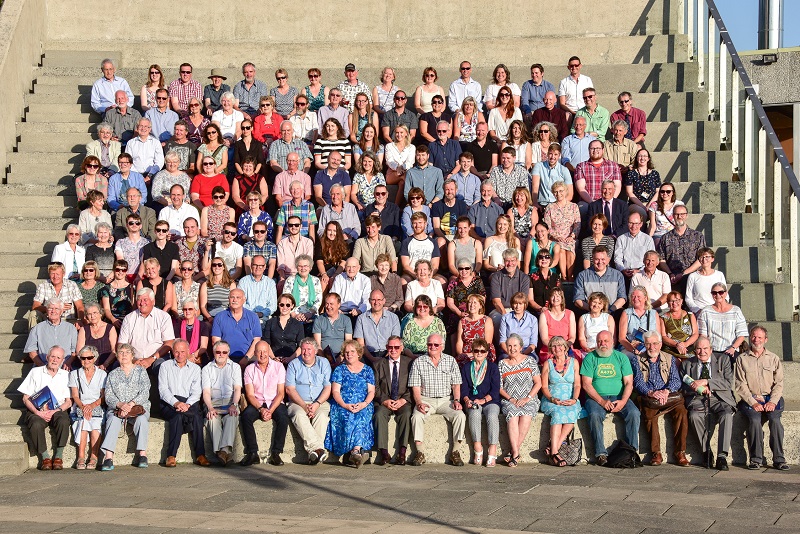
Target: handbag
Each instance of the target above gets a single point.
(135, 411)
(571, 449)
(674, 398)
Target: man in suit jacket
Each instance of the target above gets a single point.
(708, 397)
(618, 224)
(392, 397)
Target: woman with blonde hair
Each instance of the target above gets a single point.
(400, 156)
(494, 245)
(424, 93)
(284, 94)
(383, 93)
(564, 220)
(155, 81)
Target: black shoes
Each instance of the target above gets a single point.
(601, 460)
(250, 459)
(275, 459)
(722, 464)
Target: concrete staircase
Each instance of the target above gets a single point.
(646, 59)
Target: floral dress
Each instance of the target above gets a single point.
(522, 223)
(366, 190)
(564, 222)
(346, 429)
(91, 296)
(664, 221)
(472, 330)
(468, 128)
(120, 300)
(561, 388)
(459, 293)
(181, 294)
(416, 338)
(216, 221)
(517, 381)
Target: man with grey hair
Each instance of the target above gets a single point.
(285, 179)
(122, 117)
(335, 110)
(52, 332)
(146, 151)
(635, 118)
(106, 149)
(104, 90)
(342, 212)
(444, 151)
(180, 389)
(619, 148)
(595, 117)
(148, 330)
(161, 117)
(658, 382)
(239, 327)
(354, 288)
(504, 284)
(248, 92)
(221, 381)
(286, 144)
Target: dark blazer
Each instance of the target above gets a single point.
(721, 381)
(383, 380)
(489, 386)
(619, 217)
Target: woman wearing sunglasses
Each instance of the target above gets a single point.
(204, 183)
(214, 216)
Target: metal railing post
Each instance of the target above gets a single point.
(701, 47)
(777, 216)
(712, 65)
(690, 27)
(748, 153)
(736, 134)
(761, 182)
(724, 70)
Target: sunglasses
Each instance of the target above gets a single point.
(301, 103)
(624, 101)
(441, 131)
(194, 105)
(135, 223)
(293, 225)
(86, 358)
(120, 270)
(465, 68)
(154, 72)
(434, 344)
(313, 75)
(574, 65)
(414, 198)
(187, 269)
(259, 231)
(208, 164)
(162, 98)
(89, 270)
(92, 166)
(280, 78)
(667, 191)
(465, 268)
(187, 309)
(393, 347)
(259, 265)
(162, 230)
(718, 293)
(218, 197)
(285, 305)
(247, 127)
(266, 105)
(544, 131)
(504, 95)
(588, 97)
(400, 98)
(228, 232)
(217, 264)
(543, 257)
(380, 193)
(479, 351)
(186, 72)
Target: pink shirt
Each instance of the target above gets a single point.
(265, 385)
(285, 179)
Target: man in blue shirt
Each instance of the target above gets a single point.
(238, 327)
(533, 92)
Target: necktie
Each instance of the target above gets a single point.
(395, 381)
(607, 213)
(704, 374)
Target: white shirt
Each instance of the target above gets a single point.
(38, 378)
(221, 381)
(148, 155)
(459, 90)
(574, 91)
(227, 123)
(304, 127)
(73, 261)
(354, 293)
(657, 285)
(629, 251)
(104, 93)
(396, 159)
(176, 217)
(146, 334)
(230, 255)
(433, 290)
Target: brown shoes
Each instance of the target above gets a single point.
(455, 459)
(58, 464)
(224, 457)
(47, 464)
(680, 459)
(171, 462)
(656, 459)
(202, 461)
(419, 459)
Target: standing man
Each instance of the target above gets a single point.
(375, 330)
(596, 116)
(186, 150)
(180, 389)
(351, 86)
(435, 382)
(620, 149)
(238, 327)
(635, 118)
(304, 122)
(533, 92)
(615, 210)
(600, 277)
(463, 87)
(392, 397)
(388, 212)
(468, 185)
(483, 215)
(759, 386)
(425, 176)
(709, 399)
(571, 88)
(607, 379)
(182, 90)
(284, 179)
(396, 116)
(308, 387)
(264, 388)
(446, 212)
(104, 90)
(177, 212)
(221, 380)
(161, 117)
(249, 91)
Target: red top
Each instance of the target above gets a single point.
(202, 185)
(261, 129)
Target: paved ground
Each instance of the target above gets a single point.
(408, 500)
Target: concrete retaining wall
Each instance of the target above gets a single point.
(23, 24)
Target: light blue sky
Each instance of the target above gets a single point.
(741, 18)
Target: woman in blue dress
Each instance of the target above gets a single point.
(561, 386)
(353, 388)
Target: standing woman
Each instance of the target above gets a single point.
(501, 77)
(70, 253)
(155, 81)
(361, 115)
(519, 385)
(466, 122)
(400, 157)
(523, 215)
(481, 395)
(494, 245)
(519, 141)
(561, 386)
(196, 122)
(564, 220)
(678, 328)
(87, 387)
(248, 148)
(214, 217)
(383, 93)
(368, 177)
(316, 93)
(423, 96)
(284, 94)
(213, 148)
(642, 182)
(331, 139)
(369, 142)
(660, 210)
(502, 115)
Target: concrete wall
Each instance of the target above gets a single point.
(777, 82)
(22, 32)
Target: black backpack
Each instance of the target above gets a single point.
(623, 456)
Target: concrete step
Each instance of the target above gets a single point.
(13, 370)
(13, 467)
(727, 229)
(711, 197)
(45, 142)
(783, 338)
(10, 416)
(693, 166)
(12, 260)
(679, 136)
(10, 384)
(25, 129)
(84, 57)
(746, 264)
(763, 302)
(12, 341)
(30, 211)
(65, 179)
(12, 298)
(41, 162)
(14, 326)
(43, 222)
(39, 195)
(43, 245)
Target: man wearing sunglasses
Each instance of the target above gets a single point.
(182, 90)
(571, 88)
(304, 123)
(228, 251)
(397, 116)
(463, 87)
(260, 246)
(635, 118)
(161, 117)
(595, 115)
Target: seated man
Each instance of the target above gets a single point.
(261, 296)
(105, 148)
(325, 178)
(180, 390)
(264, 388)
(435, 382)
(104, 90)
(117, 192)
(506, 283)
(308, 387)
(260, 246)
(445, 151)
(615, 211)
(678, 249)
(392, 397)
(122, 117)
(446, 212)
(590, 175)
(399, 114)
(58, 286)
(619, 149)
(709, 399)
(600, 277)
(331, 328)
(212, 93)
(484, 152)
(222, 388)
(635, 118)
(521, 322)
(162, 119)
(594, 116)
(148, 330)
(655, 281)
(134, 205)
(343, 212)
(354, 288)
(388, 212)
(507, 177)
(284, 180)
(483, 215)
(296, 207)
(468, 185)
(424, 176)
(53, 413)
(291, 246)
(177, 211)
(228, 251)
(545, 174)
(759, 386)
(607, 379)
(185, 149)
(552, 113)
(192, 247)
(146, 151)
(280, 149)
(368, 248)
(630, 248)
(52, 332)
(575, 147)
(418, 246)
(658, 383)
(238, 327)
(375, 329)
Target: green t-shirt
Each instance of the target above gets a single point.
(606, 372)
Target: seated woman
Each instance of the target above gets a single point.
(464, 247)
(501, 116)
(332, 138)
(117, 296)
(89, 286)
(369, 143)
(561, 387)
(639, 317)
(352, 390)
(541, 241)
(102, 252)
(700, 282)
(306, 291)
(466, 122)
(494, 245)
(543, 280)
(368, 177)
(458, 291)
(163, 288)
(597, 225)
(171, 175)
(92, 216)
(518, 140)
(206, 180)
(90, 179)
(594, 322)
(523, 215)
(519, 385)
(214, 293)
(214, 216)
(283, 332)
(388, 282)
(127, 397)
(678, 328)
(474, 326)
(330, 254)
(185, 288)
(564, 220)
(424, 285)
(723, 323)
(480, 393)
(87, 387)
(556, 320)
(215, 151)
(229, 121)
(249, 181)
(254, 213)
(419, 326)
(521, 322)
(106, 150)
(70, 253)
(416, 202)
(98, 334)
(130, 247)
(361, 116)
(248, 150)
(399, 156)
(193, 330)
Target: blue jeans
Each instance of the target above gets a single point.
(597, 415)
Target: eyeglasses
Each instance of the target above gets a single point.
(434, 344)
(228, 232)
(666, 191)
(74, 234)
(266, 105)
(588, 97)
(675, 301)
(125, 162)
(624, 101)
(247, 127)
(285, 305)
(162, 230)
(86, 358)
(393, 347)
(380, 193)
(435, 102)
(215, 132)
(293, 225)
(186, 72)
(465, 68)
(259, 231)
(504, 95)
(134, 223)
(479, 351)
(544, 257)
(194, 105)
(414, 198)
(430, 75)
(217, 264)
(718, 293)
(313, 76)
(88, 270)
(162, 98)
(187, 269)
(92, 166)
(279, 78)
(221, 352)
(423, 307)
(544, 131)
(218, 197)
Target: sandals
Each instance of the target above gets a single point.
(478, 458)
(81, 464)
(92, 463)
(507, 457)
(557, 461)
(513, 462)
(491, 461)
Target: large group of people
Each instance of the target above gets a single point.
(421, 270)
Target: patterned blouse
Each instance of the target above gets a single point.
(284, 104)
(366, 190)
(644, 187)
(134, 387)
(100, 184)
(416, 338)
